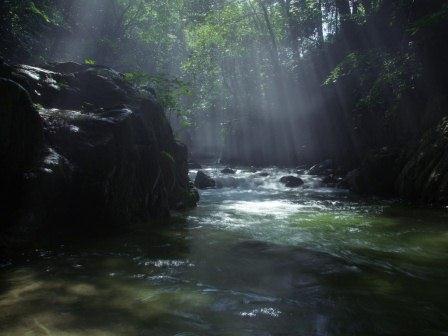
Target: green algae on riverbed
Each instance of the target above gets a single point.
(255, 259)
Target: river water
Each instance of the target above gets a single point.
(254, 258)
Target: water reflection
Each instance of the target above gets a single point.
(252, 259)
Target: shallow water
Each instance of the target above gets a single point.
(253, 259)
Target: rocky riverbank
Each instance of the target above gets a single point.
(82, 149)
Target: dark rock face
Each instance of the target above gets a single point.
(322, 168)
(203, 181)
(21, 143)
(228, 171)
(292, 181)
(377, 174)
(419, 175)
(94, 151)
(21, 131)
(424, 178)
(331, 181)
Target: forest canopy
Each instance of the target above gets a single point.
(220, 64)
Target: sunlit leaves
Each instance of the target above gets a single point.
(226, 29)
(379, 77)
(168, 90)
(89, 61)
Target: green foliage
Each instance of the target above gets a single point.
(39, 12)
(351, 63)
(430, 20)
(222, 60)
(377, 76)
(169, 90)
(89, 61)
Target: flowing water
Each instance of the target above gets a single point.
(255, 258)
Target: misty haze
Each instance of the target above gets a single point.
(223, 167)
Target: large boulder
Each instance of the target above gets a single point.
(21, 145)
(291, 181)
(203, 181)
(91, 149)
(21, 129)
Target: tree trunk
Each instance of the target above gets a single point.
(285, 140)
(343, 7)
(275, 60)
(293, 29)
(320, 25)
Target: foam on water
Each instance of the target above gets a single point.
(254, 258)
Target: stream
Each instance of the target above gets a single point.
(254, 258)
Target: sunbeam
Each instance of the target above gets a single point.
(223, 167)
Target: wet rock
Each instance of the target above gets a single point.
(203, 181)
(322, 168)
(228, 182)
(253, 169)
(263, 174)
(191, 198)
(65, 67)
(228, 171)
(292, 181)
(21, 129)
(331, 181)
(21, 145)
(352, 180)
(92, 149)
